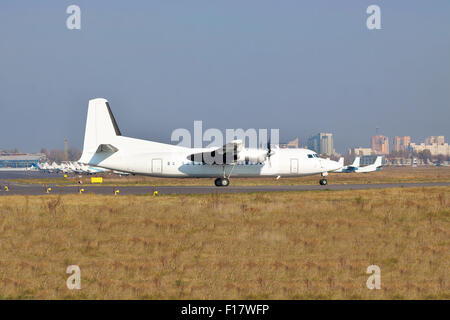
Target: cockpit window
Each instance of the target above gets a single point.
(310, 156)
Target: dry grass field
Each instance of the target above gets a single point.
(387, 175)
(291, 245)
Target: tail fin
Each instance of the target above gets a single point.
(101, 128)
(355, 163)
(378, 161)
(341, 161)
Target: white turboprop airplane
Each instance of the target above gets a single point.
(105, 147)
(351, 168)
(377, 165)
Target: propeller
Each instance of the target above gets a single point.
(269, 151)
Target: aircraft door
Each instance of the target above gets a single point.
(294, 166)
(157, 166)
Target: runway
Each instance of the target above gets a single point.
(149, 190)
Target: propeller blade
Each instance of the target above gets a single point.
(269, 152)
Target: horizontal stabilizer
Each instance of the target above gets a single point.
(107, 148)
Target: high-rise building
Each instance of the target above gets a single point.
(293, 143)
(380, 144)
(290, 144)
(361, 151)
(436, 145)
(313, 143)
(435, 140)
(322, 143)
(400, 144)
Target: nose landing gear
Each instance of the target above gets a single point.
(222, 182)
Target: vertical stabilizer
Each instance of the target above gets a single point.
(355, 163)
(378, 161)
(101, 128)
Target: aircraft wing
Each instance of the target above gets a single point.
(233, 146)
(227, 154)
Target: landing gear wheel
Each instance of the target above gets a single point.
(323, 182)
(222, 182)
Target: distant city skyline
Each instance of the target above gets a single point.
(301, 67)
(322, 143)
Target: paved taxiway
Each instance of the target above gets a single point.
(39, 189)
(4, 175)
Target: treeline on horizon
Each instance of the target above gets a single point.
(57, 155)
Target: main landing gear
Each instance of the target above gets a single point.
(222, 182)
(323, 181)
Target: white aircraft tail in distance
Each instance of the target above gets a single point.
(376, 166)
(45, 167)
(89, 170)
(105, 147)
(351, 168)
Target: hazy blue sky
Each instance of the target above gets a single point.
(301, 66)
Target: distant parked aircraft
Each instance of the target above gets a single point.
(377, 165)
(351, 168)
(69, 167)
